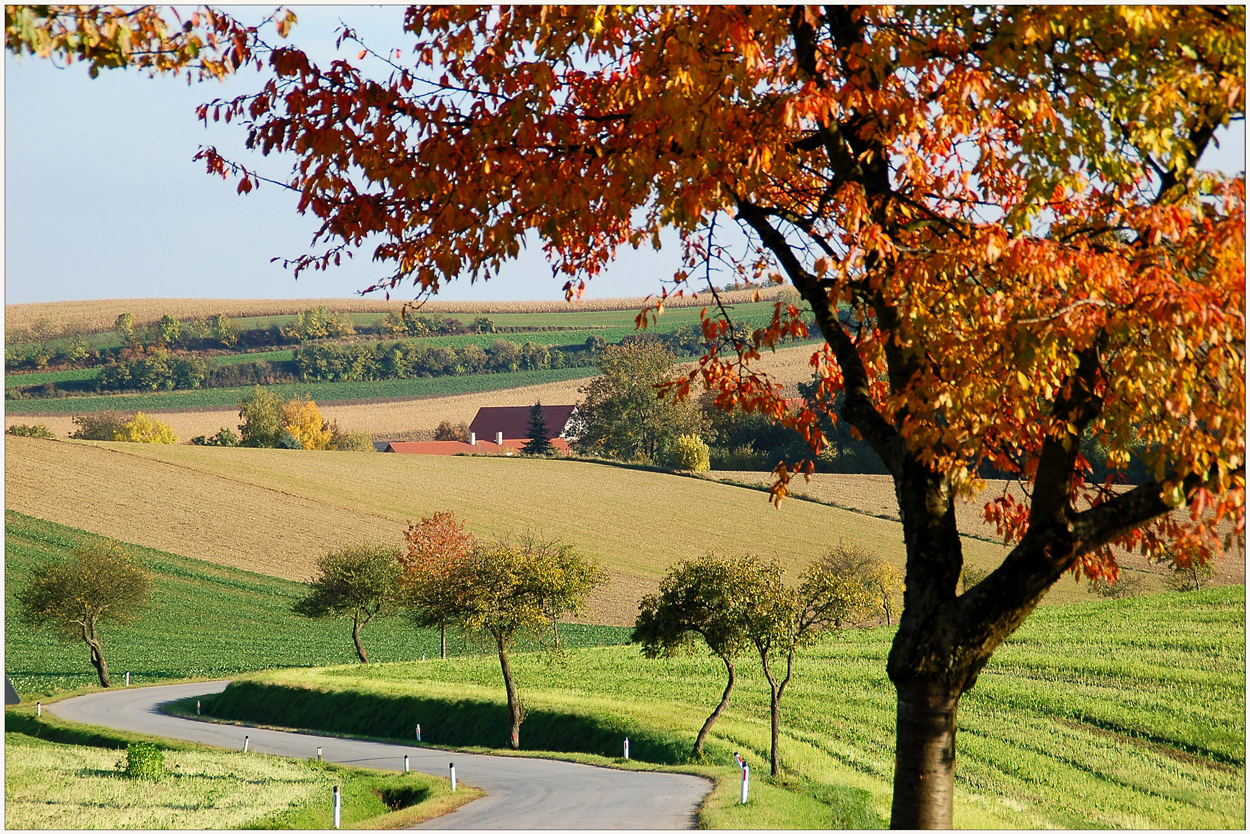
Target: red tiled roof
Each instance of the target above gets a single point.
(514, 421)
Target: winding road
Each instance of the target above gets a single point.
(520, 793)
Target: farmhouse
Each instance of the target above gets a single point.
(496, 430)
(512, 422)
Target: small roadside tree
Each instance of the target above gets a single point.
(436, 544)
(502, 590)
(360, 583)
(539, 443)
(698, 600)
(779, 621)
(100, 581)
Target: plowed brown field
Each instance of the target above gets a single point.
(275, 511)
(874, 495)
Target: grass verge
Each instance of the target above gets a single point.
(67, 776)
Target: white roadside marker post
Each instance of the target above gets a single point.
(246, 741)
(406, 763)
(338, 807)
(418, 732)
(746, 781)
(197, 707)
(318, 754)
(627, 747)
(453, 777)
(38, 709)
(127, 679)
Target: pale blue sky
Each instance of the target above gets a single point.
(102, 199)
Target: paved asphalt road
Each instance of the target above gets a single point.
(520, 793)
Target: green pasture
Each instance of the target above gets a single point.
(1117, 714)
(203, 621)
(322, 392)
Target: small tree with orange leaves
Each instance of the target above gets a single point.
(435, 545)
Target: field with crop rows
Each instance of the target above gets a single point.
(101, 315)
(203, 620)
(275, 511)
(874, 495)
(390, 419)
(1125, 714)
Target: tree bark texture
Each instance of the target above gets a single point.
(711, 719)
(442, 640)
(514, 703)
(924, 764)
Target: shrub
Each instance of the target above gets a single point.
(223, 437)
(144, 760)
(351, 441)
(971, 576)
(102, 425)
(1127, 585)
(145, 429)
(38, 430)
(688, 453)
(448, 430)
(1191, 577)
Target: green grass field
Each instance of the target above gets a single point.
(322, 392)
(60, 777)
(203, 621)
(1125, 714)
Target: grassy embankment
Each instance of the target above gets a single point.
(203, 621)
(1100, 715)
(60, 775)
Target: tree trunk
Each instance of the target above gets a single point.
(774, 757)
(442, 640)
(360, 647)
(711, 719)
(924, 759)
(98, 661)
(555, 631)
(514, 703)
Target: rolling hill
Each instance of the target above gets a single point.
(275, 511)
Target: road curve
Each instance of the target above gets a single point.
(520, 792)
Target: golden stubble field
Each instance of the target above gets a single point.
(276, 511)
(394, 419)
(93, 316)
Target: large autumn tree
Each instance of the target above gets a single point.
(994, 214)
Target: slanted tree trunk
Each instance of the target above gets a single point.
(360, 647)
(98, 661)
(442, 640)
(711, 719)
(514, 703)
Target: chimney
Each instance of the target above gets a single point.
(472, 438)
(499, 438)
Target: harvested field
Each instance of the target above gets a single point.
(874, 495)
(400, 419)
(93, 316)
(276, 511)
